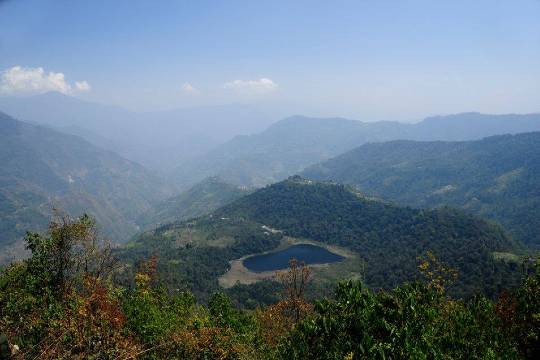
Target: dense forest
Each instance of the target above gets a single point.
(62, 303)
(496, 178)
(387, 238)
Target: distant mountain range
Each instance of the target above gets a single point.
(386, 237)
(240, 143)
(158, 140)
(42, 169)
(42, 166)
(290, 145)
(497, 177)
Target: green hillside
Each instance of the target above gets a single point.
(387, 238)
(204, 197)
(283, 149)
(43, 169)
(290, 145)
(497, 177)
(51, 307)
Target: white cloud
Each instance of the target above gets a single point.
(21, 80)
(189, 89)
(260, 86)
(82, 85)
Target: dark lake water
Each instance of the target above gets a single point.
(309, 254)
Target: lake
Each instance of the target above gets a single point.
(309, 254)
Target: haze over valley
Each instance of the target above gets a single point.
(269, 180)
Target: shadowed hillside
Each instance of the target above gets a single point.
(206, 196)
(43, 169)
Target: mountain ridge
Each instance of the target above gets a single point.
(182, 133)
(290, 145)
(494, 177)
(44, 169)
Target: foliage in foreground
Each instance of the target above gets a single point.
(62, 303)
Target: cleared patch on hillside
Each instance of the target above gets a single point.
(506, 256)
(502, 182)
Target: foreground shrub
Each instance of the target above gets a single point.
(412, 321)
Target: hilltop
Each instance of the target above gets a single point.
(387, 238)
(496, 177)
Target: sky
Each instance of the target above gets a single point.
(368, 60)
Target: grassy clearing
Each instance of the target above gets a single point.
(188, 235)
(506, 256)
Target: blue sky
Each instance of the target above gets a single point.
(369, 60)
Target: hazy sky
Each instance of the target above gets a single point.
(369, 60)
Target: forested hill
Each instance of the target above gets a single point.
(204, 197)
(388, 238)
(290, 145)
(44, 169)
(496, 177)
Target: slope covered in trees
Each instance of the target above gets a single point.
(43, 169)
(292, 144)
(496, 177)
(204, 197)
(283, 149)
(388, 238)
(61, 303)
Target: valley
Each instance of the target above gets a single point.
(46, 173)
(204, 234)
(445, 220)
(269, 180)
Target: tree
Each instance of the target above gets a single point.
(57, 303)
(278, 319)
(69, 251)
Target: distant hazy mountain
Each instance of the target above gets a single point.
(387, 238)
(201, 199)
(497, 177)
(283, 149)
(473, 126)
(41, 168)
(290, 145)
(158, 140)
